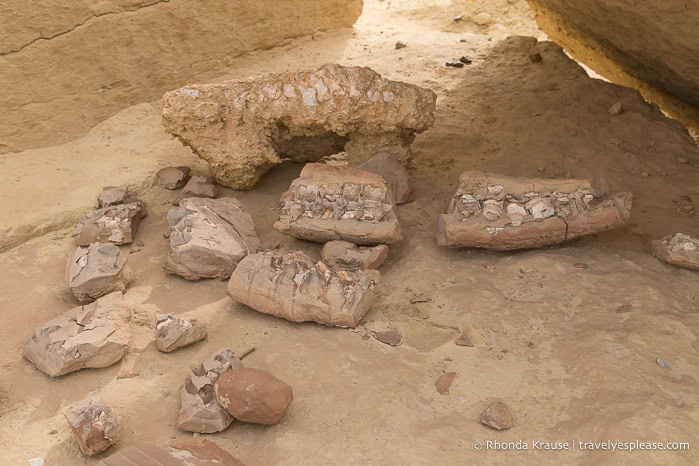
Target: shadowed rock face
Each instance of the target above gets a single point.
(244, 128)
(503, 213)
(291, 286)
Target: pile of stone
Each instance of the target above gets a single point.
(96, 271)
(504, 213)
(678, 249)
(339, 203)
(209, 237)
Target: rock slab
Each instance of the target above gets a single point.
(196, 452)
(116, 224)
(172, 177)
(678, 249)
(342, 255)
(96, 271)
(199, 410)
(295, 288)
(209, 237)
(252, 395)
(91, 336)
(93, 423)
(328, 203)
(497, 416)
(111, 195)
(505, 213)
(172, 332)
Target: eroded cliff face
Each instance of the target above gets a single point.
(67, 65)
(655, 42)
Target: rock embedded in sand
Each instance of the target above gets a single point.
(199, 410)
(116, 224)
(252, 395)
(195, 452)
(91, 336)
(292, 287)
(394, 173)
(616, 109)
(342, 255)
(172, 332)
(385, 333)
(678, 249)
(209, 237)
(504, 213)
(463, 340)
(96, 271)
(111, 195)
(200, 186)
(443, 383)
(172, 177)
(497, 416)
(93, 423)
(244, 128)
(329, 203)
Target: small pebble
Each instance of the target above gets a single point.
(580, 265)
(663, 364)
(644, 174)
(465, 60)
(682, 160)
(535, 57)
(166, 235)
(140, 244)
(458, 17)
(482, 19)
(455, 64)
(400, 45)
(616, 109)
(624, 308)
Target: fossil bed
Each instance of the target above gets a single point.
(548, 340)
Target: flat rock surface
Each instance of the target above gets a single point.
(295, 288)
(97, 270)
(196, 452)
(116, 224)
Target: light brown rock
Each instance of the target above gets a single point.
(342, 255)
(497, 416)
(209, 237)
(329, 203)
(93, 423)
(394, 173)
(199, 410)
(195, 452)
(291, 286)
(172, 177)
(111, 195)
(91, 336)
(200, 186)
(504, 213)
(244, 128)
(678, 249)
(97, 270)
(252, 395)
(172, 332)
(117, 224)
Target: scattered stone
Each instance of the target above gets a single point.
(400, 45)
(458, 18)
(200, 186)
(199, 410)
(91, 336)
(111, 195)
(209, 237)
(97, 270)
(291, 286)
(196, 452)
(682, 160)
(443, 383)
(385, 333)
(394, 173)
(455, 64)
(172, 332)
(678, 249)
(172, 177)
(482, 19)
(252, 395)
(465, 60)
(497, 416)
(116, 224)
(616, 109)
(580, 265)
(624, 308)
(463, 340)
(531, 345)
(93, 423)
(663, 364)
(330, 203)
(505, 213)
(244, 128)
(341, 255)
(140, 244)
(535, 57)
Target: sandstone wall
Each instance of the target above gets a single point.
(654, 41)
(66, 65)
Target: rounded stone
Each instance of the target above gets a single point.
(253, 395)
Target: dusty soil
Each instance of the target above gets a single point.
(547, 338)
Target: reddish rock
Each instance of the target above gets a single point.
(443, 383)
(252, 395)
(116, 224)
(497, 416)
(93, 423)
(394, 173)
(385, 333)
(197, 452)
(463, 340)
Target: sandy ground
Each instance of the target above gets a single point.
(548, 341)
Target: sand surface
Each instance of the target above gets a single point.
(547, 338)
